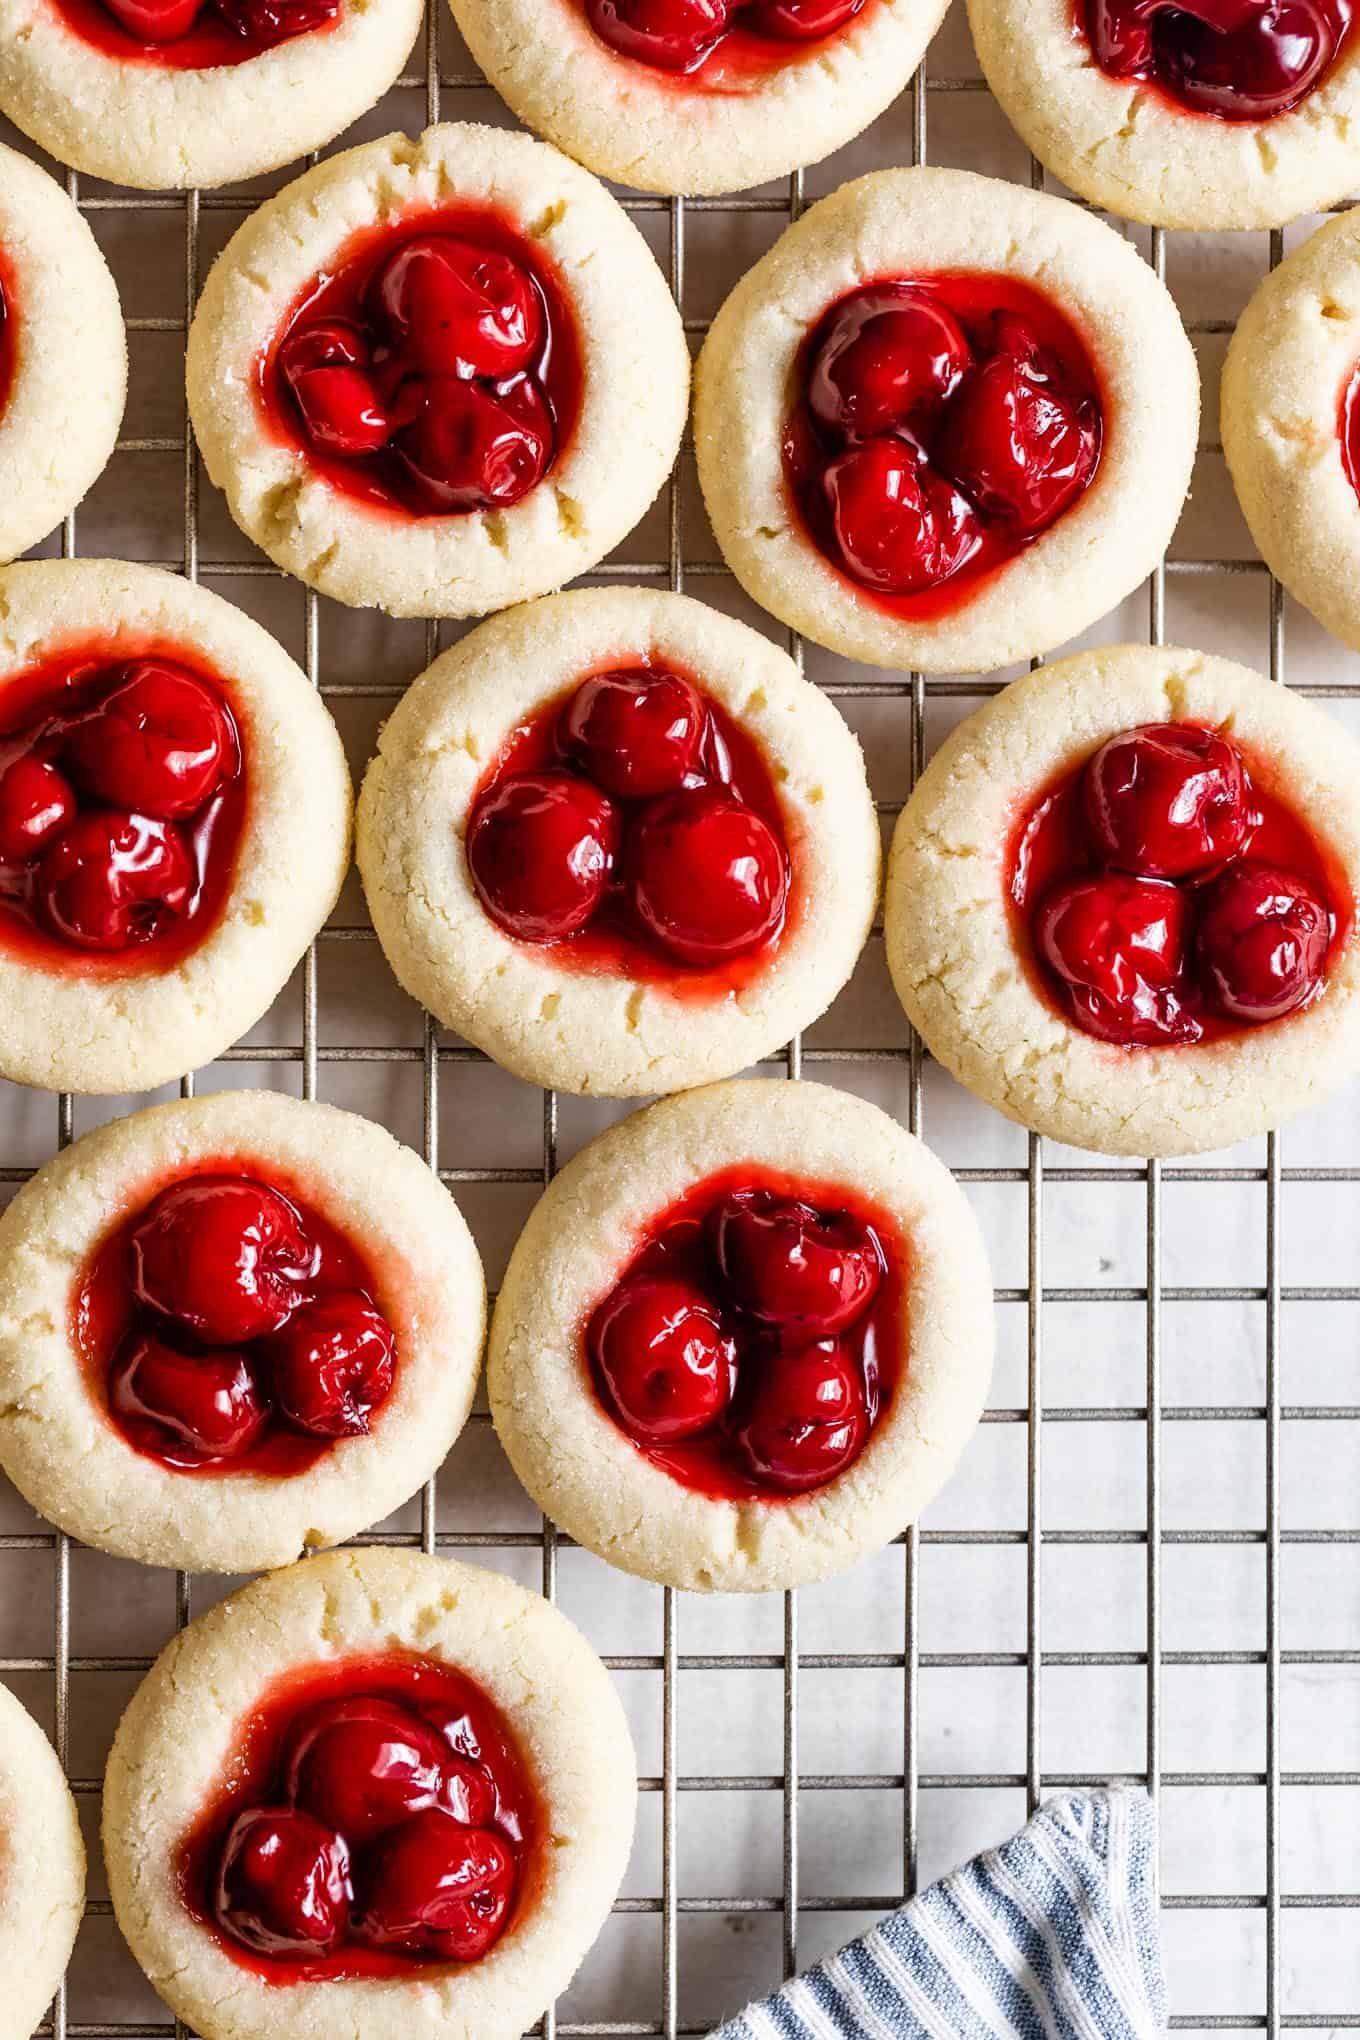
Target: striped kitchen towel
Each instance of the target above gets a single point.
(1052, 1937)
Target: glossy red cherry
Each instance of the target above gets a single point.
(110, 880)
(212, 1403)
(800, 20)
(635, 733)
(454, 308)
(1237, 59)
(326, 367)
(802, 1275)
(1264, 934)
(434, 1887)
(155, 21)
(1166, 800)
(36, 803)
(226, 1258)
(661, 1353)
(1016, 445)
(890, 352)
(708, 876)
(267, 22)
(333, 1364)
(900, 527)
(541, 848)
(157, 744)
(808, 1419)
(1120, 948)
(671, 35)
(474, 449)
(362, 1765)
(283, 1882)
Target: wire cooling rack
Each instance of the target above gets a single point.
(762, 1725)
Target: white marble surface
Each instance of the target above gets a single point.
(972, 1719)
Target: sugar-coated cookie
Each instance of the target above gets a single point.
(42, 1870)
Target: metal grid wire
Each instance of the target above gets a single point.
(789, 1783)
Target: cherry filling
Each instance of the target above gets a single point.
(632, 827)
(194, 35)
(376, 1816)
(1348, 427)
(1231, 59)
(715, 44)
(945, 423)
(434, 369)
(752, 1343)
(1164, 896)
(9, 331)
(232, 1328)
(122, 800)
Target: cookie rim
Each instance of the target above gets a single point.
(580, 1467)
(1034, 1066)
(635, 370)
(915, 221)
(610, 1036)
(566, 1714)
(161, 129)
(69, 1462)
(41, 1911)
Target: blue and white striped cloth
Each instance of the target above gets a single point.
(1053, 1937)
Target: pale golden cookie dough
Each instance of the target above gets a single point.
(643, 127)
(573, 1030)
(176, 1740)
(634, 359)
(57, 1443)
(42, 1871)
(967, 989)
(132, 1031)
(586, 1473)
(59, 421)
(908, 223)
(1296, 347)
(155, 127)
(1132, 149)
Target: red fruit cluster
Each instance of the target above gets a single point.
(635, 815)
(395, 1825)
(1168, 921)
(937, 433)
(746, 1330)
(260, 24)
(1231, 59)
(105, 807)
(432, 370)
(680, 35)
(240, 1324)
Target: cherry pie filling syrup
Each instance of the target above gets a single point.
(631, 828)
(122, 802)
(9, 331)
(753, 1343)
(377, 1818)
(227, 1327)
(434, 370)
(1163, 896)
(1235, 60)
(720, 45)
(194, 35)
(943, 424)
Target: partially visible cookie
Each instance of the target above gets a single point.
(227, 89)
(727, 94)
(744, 1337)
(232, 1329)
(1291, 425)
(1166, 116)
(484, 398)
(946, 423)
(442, 1748)
(1121, 902)
(63, 355)
(722, 799)
(42, 1870)
(174, 824)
